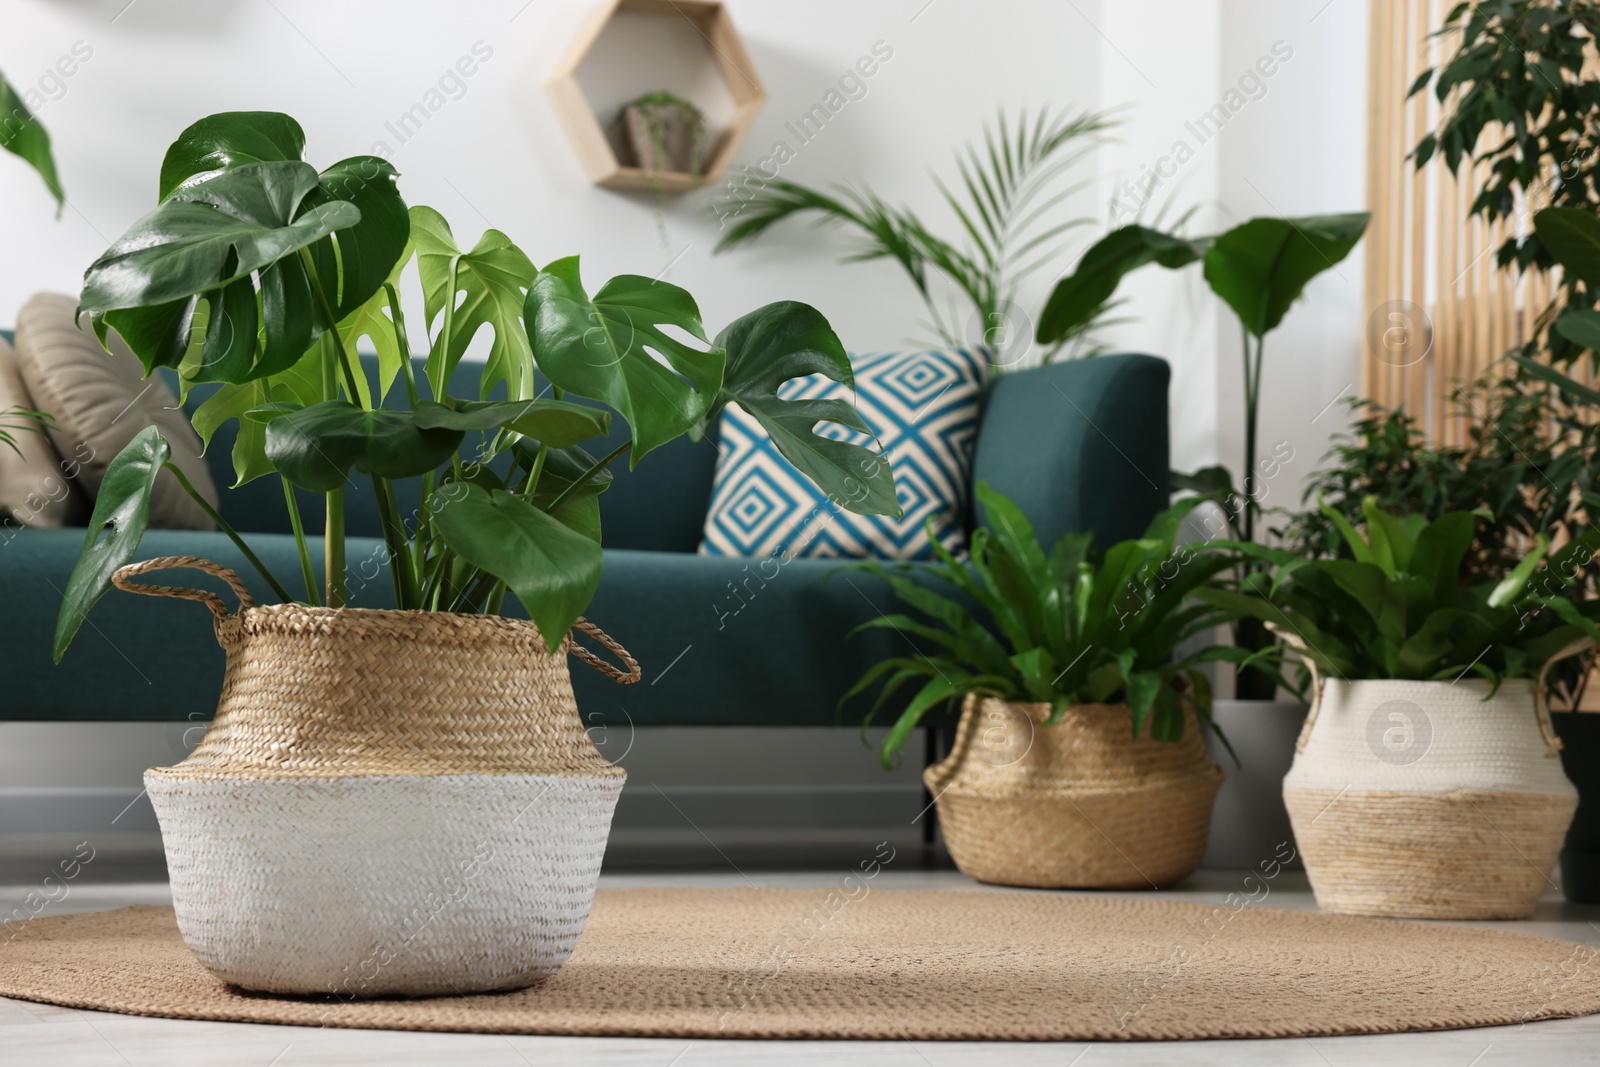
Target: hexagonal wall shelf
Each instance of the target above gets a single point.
(630, 47)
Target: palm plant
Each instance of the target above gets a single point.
(1010, 186)
(1063, 628)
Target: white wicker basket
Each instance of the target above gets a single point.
(1428, 799)
(387, 802)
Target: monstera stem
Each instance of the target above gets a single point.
(233, 535)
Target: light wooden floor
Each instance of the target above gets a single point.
(62, 1037)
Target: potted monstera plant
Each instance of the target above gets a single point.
(1078, 761)
(362, 760)
(1426, 783)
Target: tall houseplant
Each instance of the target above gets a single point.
(1423, 785)
(259, 272)
(1079, 712)
(1259, 269)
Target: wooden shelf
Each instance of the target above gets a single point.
(724, 53)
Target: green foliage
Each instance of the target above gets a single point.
(1261, 267)
(260, 273)
(1064, 627)
(1510, 468)
(1517, 97)
(1399, 608)
(23, 136)
(1010, 185)
(1081, 296)
(121, 513)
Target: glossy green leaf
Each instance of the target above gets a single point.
(1261, 267)
(1572, 236)
(230, 139)
(1512, 585)
(1582, 328)
(315, 447)
(605, 348)
(484, 287)
(121, 513)
(558, 423)
(1083, 294)
(786, 340)
(371, 251)
(214, 232)
(551, 567)
(238, 202)
(22, 135)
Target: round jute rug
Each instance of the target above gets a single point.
(865, 963)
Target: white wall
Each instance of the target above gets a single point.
(496, 156)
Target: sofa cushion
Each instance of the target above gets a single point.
(36, 488)
(923, 409)
(100, 401)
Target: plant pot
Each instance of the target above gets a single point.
(1428, 800)
(664, 138)
(1580, 757)
(1082, 804)
(1249, 822)
(387, 802)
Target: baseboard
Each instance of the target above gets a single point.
(643, 806)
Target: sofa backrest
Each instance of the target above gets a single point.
(1079, 445)
(661, 507)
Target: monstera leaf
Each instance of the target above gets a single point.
(788, 340)
(606, 347)
(483, 287)
(557, 423)
(298, 387)
(22, 136)
(367, 252)
(315, 447)
(121, 513)
(241, 216)
(210, 239)
(553, 568)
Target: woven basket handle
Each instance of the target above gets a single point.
(1540, 708)
(612, 645)
(122, 579)
(1297, 643)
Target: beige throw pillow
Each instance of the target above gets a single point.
(37, 487)
(100, 401)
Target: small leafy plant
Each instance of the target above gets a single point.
(1398, 608)
(1063, 628)
(261, 273)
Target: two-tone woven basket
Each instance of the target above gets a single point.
(1081, 804)
(1429, 800)
(386, 802)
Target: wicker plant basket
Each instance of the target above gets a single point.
(1426, 800)
(1082, 804)
(387, 802)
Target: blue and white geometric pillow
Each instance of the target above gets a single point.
(923, 409)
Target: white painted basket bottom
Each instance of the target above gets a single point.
(394, 884)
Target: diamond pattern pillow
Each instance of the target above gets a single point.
(923, 407)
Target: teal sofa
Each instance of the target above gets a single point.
(1079, 445)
